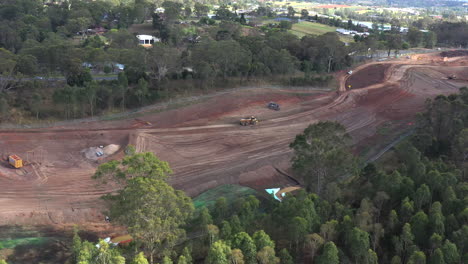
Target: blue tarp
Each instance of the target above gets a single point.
(273, 192)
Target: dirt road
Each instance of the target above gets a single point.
(203, 142)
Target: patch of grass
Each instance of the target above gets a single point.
(365, 151)
(310, 28)
(135, 112)
(229, 191)
(33, 241)
(385, 129)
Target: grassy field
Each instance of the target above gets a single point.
(309, 28)
(12, 243)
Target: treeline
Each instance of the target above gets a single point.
(39, 40)
(425, 3)
(191, 56)
(449, 32)
(413, 210)
(421, 19)
(452, 34)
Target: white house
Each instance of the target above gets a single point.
(147, 40)
(159, 10)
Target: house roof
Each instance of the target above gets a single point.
(142, 37)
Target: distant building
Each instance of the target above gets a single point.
(436, 16)
(115, 67)
(159, 10)
(147, 40)
(96, 30)
(87, 65)
(346, 32)
(193, 39)
(351, 32)
(119, 67)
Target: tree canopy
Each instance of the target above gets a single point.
(321, 154)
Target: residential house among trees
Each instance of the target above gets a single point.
(147, 40)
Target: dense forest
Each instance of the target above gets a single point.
(54, 40)
(410, 208)
(53, 54)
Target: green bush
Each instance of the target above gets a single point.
(313, 81)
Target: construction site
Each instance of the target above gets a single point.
(204, 143)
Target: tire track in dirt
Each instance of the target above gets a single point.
(205, 156)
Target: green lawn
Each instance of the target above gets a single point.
(310, 28)
(12, 243)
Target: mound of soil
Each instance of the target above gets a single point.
(454, 53)
(368, 76)
(205, 147)
(91, 153)
(111, 149)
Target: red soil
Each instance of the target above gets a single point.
(369, 76)
(203, 142)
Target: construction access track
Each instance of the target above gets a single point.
(205, 145)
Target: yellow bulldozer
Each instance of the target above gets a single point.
(249, 121)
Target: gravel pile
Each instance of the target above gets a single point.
(110, 149)
(95, 153)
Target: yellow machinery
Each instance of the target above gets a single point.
(15, 161)
(248, 121)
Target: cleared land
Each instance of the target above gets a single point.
(204, 143)
(372, 75)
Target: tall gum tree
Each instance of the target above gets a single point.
(321, 154)
(151, 209)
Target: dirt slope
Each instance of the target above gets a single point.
(203, 142)
(373, 74)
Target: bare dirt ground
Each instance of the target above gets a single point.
(372, 75)
(204, 143)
